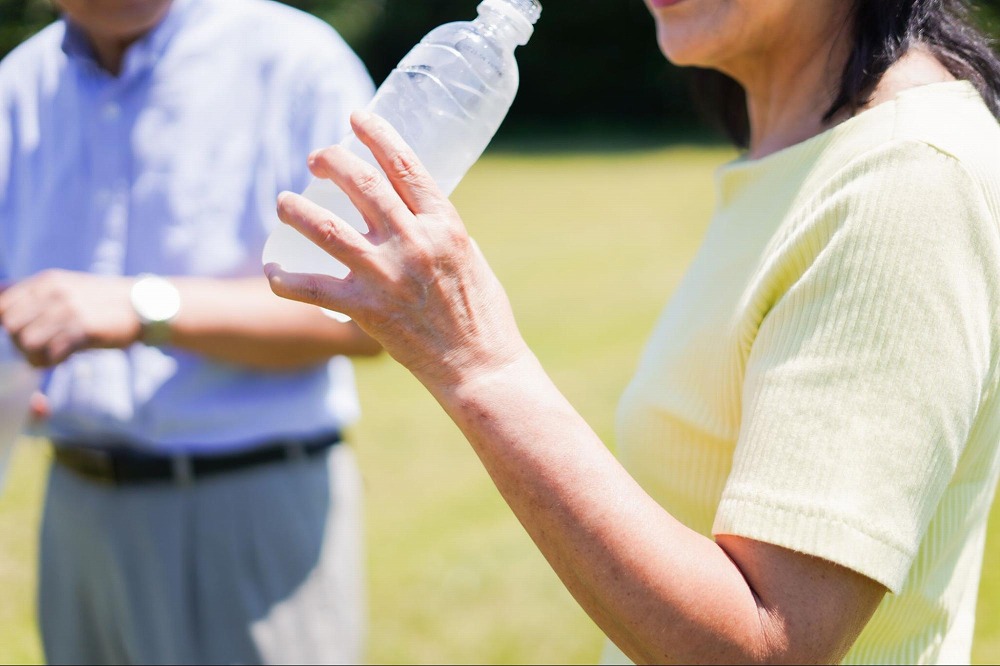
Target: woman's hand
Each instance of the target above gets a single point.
(418, 283)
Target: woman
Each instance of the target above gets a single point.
(815, 420)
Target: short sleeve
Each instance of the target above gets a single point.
(337, 84)
(321, 82)
(868, 370)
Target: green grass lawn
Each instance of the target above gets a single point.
(590, 245)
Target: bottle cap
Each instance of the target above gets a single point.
(518, 10)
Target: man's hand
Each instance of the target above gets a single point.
(53, 314)
(38, 408)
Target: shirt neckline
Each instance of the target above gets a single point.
(806, 146)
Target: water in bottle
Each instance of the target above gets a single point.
(446, 98)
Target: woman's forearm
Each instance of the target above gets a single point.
(661, 591)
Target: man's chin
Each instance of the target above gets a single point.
(118, 20)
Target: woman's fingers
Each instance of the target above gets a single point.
(364, 185)
(407, 174)
(322, 290)
(335, 236)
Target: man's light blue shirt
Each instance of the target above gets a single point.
(173, 168)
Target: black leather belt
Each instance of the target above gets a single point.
(122, 465)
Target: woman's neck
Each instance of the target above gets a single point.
(917, 68)
(789, 95)
(788, 101)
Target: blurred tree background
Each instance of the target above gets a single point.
(590, 63)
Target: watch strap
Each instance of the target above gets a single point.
(156, 303)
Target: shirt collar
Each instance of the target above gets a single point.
(141, 55)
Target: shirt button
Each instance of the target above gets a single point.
(111, 111)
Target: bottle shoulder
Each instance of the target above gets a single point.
(491, 60)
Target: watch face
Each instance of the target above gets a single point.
(155, 299)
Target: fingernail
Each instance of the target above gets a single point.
(282, 196)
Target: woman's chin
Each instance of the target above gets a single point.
(681, 55)
(682, 47)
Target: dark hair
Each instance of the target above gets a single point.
(882, 31)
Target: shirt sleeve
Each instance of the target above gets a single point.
(6, 203)
(868, 369)
(324, 81)
(337, 85)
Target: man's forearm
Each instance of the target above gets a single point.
(243, 322)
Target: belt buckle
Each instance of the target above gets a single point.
(183, 469)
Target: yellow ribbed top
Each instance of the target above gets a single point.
(825, 377)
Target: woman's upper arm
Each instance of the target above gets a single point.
(862, 387)
(811, 610)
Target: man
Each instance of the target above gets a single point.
(199, 509)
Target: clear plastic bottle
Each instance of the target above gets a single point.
(446, 98)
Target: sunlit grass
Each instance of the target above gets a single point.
(20, 509)
(590, 245)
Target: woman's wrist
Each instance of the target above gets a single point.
(487, 403)
(461, 378)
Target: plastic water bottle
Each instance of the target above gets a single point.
(446, 98)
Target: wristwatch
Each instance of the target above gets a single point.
(156, 302)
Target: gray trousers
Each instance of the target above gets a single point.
(262, 565)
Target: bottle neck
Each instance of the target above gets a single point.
(507, 29)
